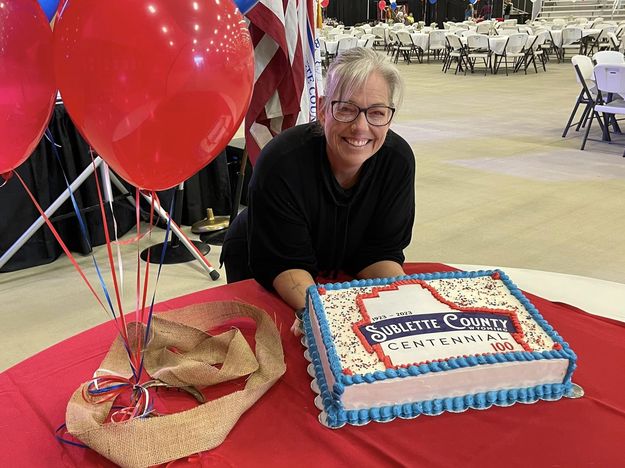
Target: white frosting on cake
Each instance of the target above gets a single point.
(414, 311)
(453, 383)
(342, 311)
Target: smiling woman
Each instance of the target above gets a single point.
(333, 195)
(362, 91)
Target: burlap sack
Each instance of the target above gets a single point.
(151, 441)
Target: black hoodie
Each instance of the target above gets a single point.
(299, 217)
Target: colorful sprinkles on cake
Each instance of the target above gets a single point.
(478, 293)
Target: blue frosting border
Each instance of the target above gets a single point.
(337, 416)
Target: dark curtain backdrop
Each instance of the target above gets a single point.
(41, 172)
(448, 10)
(351, 12)
(43, 176)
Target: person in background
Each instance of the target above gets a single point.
(507, 9)
(399, 16)
(487, 11)
(331, 196)
(409, 19)
(469, 12)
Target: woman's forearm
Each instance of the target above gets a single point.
(291, 285)
(382, 269)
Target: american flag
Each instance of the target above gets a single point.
(287, 69)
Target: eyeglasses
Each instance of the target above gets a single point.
(346, 112)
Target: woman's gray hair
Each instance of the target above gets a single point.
(349, 72)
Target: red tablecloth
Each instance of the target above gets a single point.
(282, 428)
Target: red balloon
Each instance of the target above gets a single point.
(157, 87)
(381, 5)
(26, 80)
(325, 3)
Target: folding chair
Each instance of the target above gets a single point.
(406, 47)
(514, 49)
(549, 46)
(389, 42)
(508, 30)
(378, 31)
(358, 32)
(478, 47)
(465, 33)
(602, 41)
(528, 55)
(483, 28)
(584, 74)
(392, 43)
(595, 23)
(571, 39)
(539, 50)
(608, 57)
(346, 43)
(436, 42)
(369, 40)
(457, 51)
(615, 42)
(610, 79)
(555, 45)
(323, 49)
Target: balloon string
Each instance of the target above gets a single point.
(148, 325)
(50, 138)
(120, 263)
(62, 9)
(120, 322)
(6, 176)
(122, 319)
(135, 359)
(144, 293)
(139, 235)
(61, 435)
(108, 387)
(60, 241)
(81, 221)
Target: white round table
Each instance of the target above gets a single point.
(595, 296)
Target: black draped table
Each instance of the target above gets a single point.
(42, 173)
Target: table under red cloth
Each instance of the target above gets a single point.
(282, 428)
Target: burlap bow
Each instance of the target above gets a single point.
(151, 441)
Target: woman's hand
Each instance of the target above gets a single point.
(297, 327)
